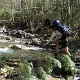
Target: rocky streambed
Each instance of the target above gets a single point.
(21, 60)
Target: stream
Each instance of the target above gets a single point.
(19, 43)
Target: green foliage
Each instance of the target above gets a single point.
(68, 66)
(41, 74)
(51, 63)
(18, 17)
(35, 12)
(25, 70)
(2, 61)
(7, 70)
(5, 15)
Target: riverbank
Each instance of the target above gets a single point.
(19, 45)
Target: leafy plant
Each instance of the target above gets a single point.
(68, 66)
(2, 60)
(5, 15)
(25, 70)
(51, 63)
(41, 74)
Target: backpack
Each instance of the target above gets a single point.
(62, 28)
(67, 31)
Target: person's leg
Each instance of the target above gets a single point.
(67, 51)
(57, 48)
(65, 47)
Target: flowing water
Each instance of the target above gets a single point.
(5, 48)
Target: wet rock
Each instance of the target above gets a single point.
(8, 38)
(15, 47)
(18, 35)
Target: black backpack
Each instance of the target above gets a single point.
(62, 28)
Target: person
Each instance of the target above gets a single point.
(61, 39)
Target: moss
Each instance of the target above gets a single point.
(68, 66)
(51, 63)
(25, 69)
(41, 74)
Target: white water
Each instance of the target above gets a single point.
(7, 50)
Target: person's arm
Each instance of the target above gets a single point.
(50, 39)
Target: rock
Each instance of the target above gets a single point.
(15, 47)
